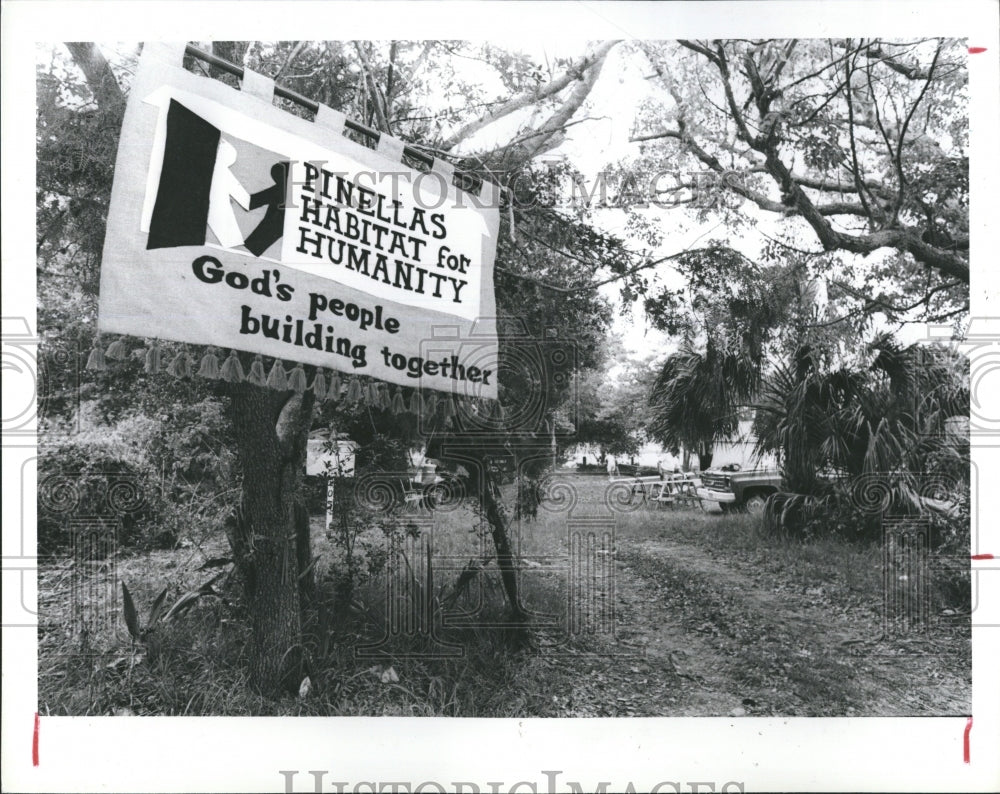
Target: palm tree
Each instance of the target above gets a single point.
(888, 421)
(696, 397)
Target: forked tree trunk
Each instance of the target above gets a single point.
(500, 532)
(271, 538)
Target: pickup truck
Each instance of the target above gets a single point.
(736, 490)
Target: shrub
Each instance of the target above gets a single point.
(88, 479)
(808, 517)
(188, 445)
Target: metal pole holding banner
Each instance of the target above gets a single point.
(464, 180)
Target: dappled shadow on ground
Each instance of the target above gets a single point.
(636, 612)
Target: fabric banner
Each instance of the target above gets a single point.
(236, 224)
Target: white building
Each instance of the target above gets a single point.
(740, 451)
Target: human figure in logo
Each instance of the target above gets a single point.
(271, 227)
(226, 186)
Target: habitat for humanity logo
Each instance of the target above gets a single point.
(214, 188)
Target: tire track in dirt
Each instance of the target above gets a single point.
(744, 648)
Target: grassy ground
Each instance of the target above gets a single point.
(638, 612)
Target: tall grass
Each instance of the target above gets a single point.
(412, 642)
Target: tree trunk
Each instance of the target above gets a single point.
(490, 496)
(704, 457)
(272, 535)
(96, 69)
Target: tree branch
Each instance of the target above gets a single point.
(558, 120)
(295, 52)
(553, 87)
(618, 277)
(849, 66)
(377, 97)
(96, 69)
(738, 187)
(906, 124)
(734, 110)
(948, 262)
(909, 72)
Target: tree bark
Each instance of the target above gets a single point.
(952, 262)
(271, 431)
(506, 560)
(96, 69)
(577, 71)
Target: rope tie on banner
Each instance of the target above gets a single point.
(277, 379)
(232, 370)
(95, 361)
(209, 366)
(297, 379)
(319, 385)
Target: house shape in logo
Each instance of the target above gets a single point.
(204, 173)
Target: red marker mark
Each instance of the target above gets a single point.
(982, 557)
(976, 50)
(965, 740)
(34, 743)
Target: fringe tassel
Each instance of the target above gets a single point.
(95, 360)
(354, 391)
(417, 403)
(430, 406)
(448, 409)
(180, 367)
(297, 380)
(319, 385)
(333, 387)
(209, 367)
(116, 350)
(154, 358)
(277, 378)
(398, 404)
(232, 370)
(256, 376)
(371, 395)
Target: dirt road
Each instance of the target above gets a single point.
(708, 633)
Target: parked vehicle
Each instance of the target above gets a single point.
(734, 489)
(635, 470)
